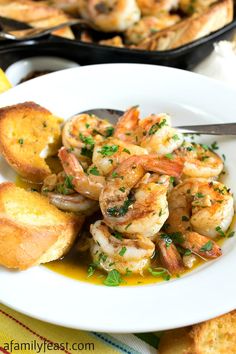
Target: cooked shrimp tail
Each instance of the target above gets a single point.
(127, 127)
(201, 245)
(88, 185)
(170, 257)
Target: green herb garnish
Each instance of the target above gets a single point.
(68, 182)
(157, 126)
(126, 150)
(120, 211)
(122, 251)
(113, 278)
(109, 131)
(207, 247)
(108, 150)
(94, 171)
(220, 231)
(214, 146)
(169, 156)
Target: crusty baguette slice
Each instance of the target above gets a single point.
(36, 14)
(176, 341)
(215, 17)
(32, 231)
(217, 336)
(28, 134)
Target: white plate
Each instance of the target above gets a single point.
(207, 292)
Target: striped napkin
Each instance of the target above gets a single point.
(21, 334)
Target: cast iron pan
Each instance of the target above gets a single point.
(185, 57)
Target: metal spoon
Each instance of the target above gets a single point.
(207, 129)
(32, 33)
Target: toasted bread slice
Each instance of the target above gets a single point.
(32, 231)
(37, 14)
(28, 134)
(217, 336)
(176, 341)
(215, 17)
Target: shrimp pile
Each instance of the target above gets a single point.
(159, 196)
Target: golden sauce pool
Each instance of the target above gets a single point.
(75, 264)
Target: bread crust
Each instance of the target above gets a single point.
(217, 336)
(25, 243)
(37, 14)
(217, 16)
(23, 154)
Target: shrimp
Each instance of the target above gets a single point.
(143, 209)
(81, 132)
(89, 185)
(108, 154)
(158, 135)
(127, 127)
(200, 161)
(111, 250)
(110, 15)
(149, 25)
(156, 7)
(60, 193)
(170, 257)
(199, 212)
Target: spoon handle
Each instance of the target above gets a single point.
(210, 129)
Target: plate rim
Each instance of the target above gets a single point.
(104, 328)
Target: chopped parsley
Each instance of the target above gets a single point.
(68, 182)
(117, 235)
(204, 158)
(88, 140)
(94, 171)
(113, 278)
(231, 234)
(187, 252)
(207, 247)
(215, 146)
(122, 189)
(116, 175)
(126, 150)
(160, 272)
(205, 147)
(175, 137)
(21, 141)
(128, 272)
(108, 150)
(122, 251)
(86, 152)
(190, 148)
(109, 131)
(157, 126)
(126, 227)
(169, 156)
(199, 195)
(220, 231)
(120, 211)
(185, 218)
(87, 125)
